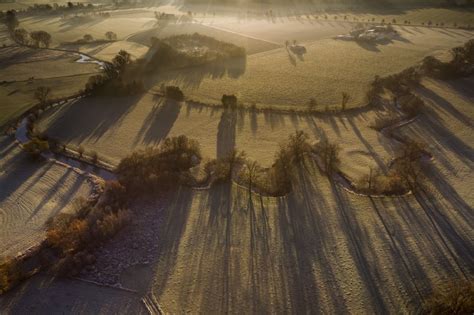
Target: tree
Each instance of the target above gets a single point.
(298, 145)
(329, 154)
(11, 20)
(80, 150)
(41, 37)
(345, 99)
(88, 38)
(36, 146)
(230, 160)
(110, 35)
(42, 94)
(121, 60)
(20, 36)
(251, 174)
(229, 100)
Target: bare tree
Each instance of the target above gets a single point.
(110, 35)
(42, 94)
(345, 99)
(80, 150)
(251, 174)
(20, 35)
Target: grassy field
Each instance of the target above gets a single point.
(330, 67)
(322, 248)
(45, 295)
(271, 76)
(54, 69)
(17, 97)
(17, 64)
(31, 192)
(114, 127)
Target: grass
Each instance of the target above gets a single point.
(32, 192)
(278, 78)
(17, 97)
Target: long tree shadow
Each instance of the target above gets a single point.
(307, 245)
(459, 248)
(159, 122)
(226, 133)
(90, 117)
(191, 77)
(444, 105)
(361, 252)
(175, 217)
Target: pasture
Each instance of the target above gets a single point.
(31, 193)
(54, 69)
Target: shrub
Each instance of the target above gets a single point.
(454, 298)
(382, 122)
(9, 273)
(71, 235)
(94, 156)
(174, 92)
(329, 155)
(159, 168)
(36, 146)
(229, 100)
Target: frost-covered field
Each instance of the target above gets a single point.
(32, 192)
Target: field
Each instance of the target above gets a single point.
(53, 69)
(325, 247)
(321, 249)
(279, 78)
(116, 127)
(31, 192)
(327, 69)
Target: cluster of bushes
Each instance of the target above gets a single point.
(112, 81)
(36, 146)
(190, 50)
(55, 7)
(403, 174)
(402, 81)
(453, 298)
(10, 273)
(88, 38)
(174, 92)
(461, 65)
(73, 236)
(160, 168)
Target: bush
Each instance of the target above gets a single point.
(159, 168)
(36, 146)
(191, 50)
(9, 273)
(71, 235)
(382, 122)
(455, 298)
(229, 100)
(175, 93)
(329, 155)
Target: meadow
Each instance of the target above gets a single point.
(54, 69)
(321, 247)
(31, 193)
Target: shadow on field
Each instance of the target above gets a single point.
(459, 248)
(445, 106)
(191, 77)
(226, 133)
(17, 170)
(44, 294)
(91, 117)
(159, 121)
